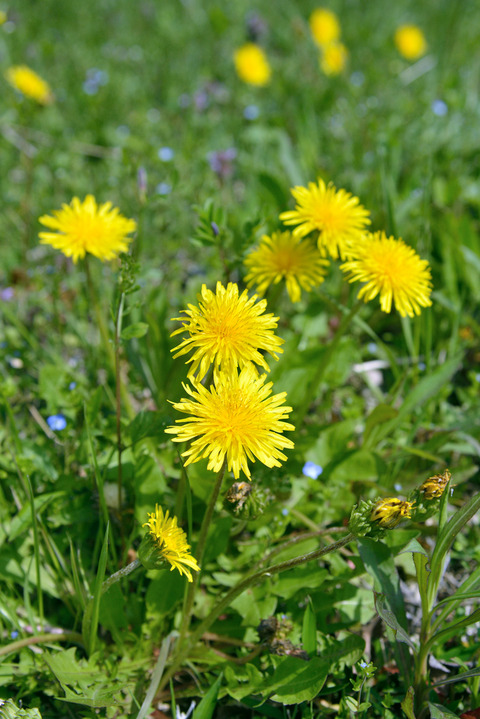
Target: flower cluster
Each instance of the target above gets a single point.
(326, 31)
(333, 223)
(234, 420)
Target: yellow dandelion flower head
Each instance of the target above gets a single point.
(171, 541)
(393, 270)
(26, 81)
(226, 330)
(324, 26)
(252, 65)
(337, 215)
(410, 42)
(333, 58)
(235, 420)
(285, 257)
(83, 227)
(3, 17)
(389, 512)
(434, 487)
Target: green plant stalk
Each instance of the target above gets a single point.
(49, 638)
(104, 334)
(249, 581)
(118, 408)
(36, 543)
(313, 385)
(199, 551)
(123, 572)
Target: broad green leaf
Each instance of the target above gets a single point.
(9, 710)
(391, 620)
(205, 709)
(309, 629)
(139, 329)
(242, 681)
(439, 712)
(382, 413)
(407, 704)
(295, 680)
(379, 563)
(148, 424)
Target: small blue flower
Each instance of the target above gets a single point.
(14, 634)
(251, 112)
(166, 154)
(57, 422)
(439, 108)
(285, 512)
(312, 470)
(163, 188)
(72, 385)
(362, 664)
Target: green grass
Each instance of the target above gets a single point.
(380, 131)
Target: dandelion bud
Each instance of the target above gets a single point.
(246, 501)
(389, 512)
(434, 487)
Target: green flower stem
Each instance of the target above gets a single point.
(118, 406)
(123, 572)
(99, 316)
(198, 554)
(49, 638)
(249, 581)
(104, 333)
(313, 385)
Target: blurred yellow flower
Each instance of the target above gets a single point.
(3, 17)
(410, 42)
(171, 542)
(389, 512)
(285, 257)
(337, 215)
(234, 420)
(26, 81)
(252, 65)
(393, 270)
(333, 58)
(83, 227)
(325, 26)
(226, 330)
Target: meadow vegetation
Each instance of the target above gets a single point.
(240, 359)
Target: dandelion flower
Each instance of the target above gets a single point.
(252, 65)
(333, 58)
(337, 215)
(235, 420)
(26, 81)
(284, 256)
(227, 330)
(171, 542)
(393, 270)
(325, 26)
(83, 227)
(389, 512)
(410, 42)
